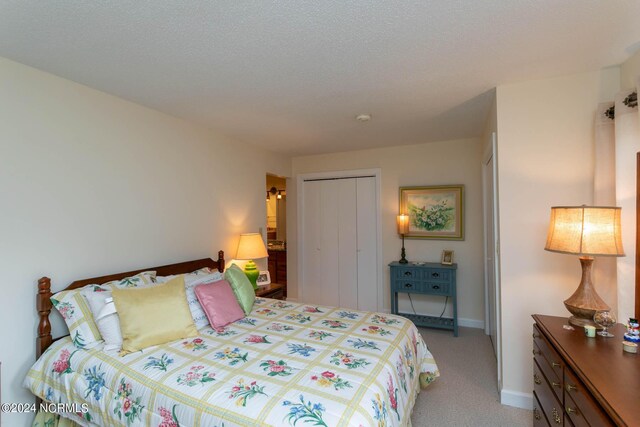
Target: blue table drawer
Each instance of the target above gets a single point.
(438, 288)
(408, 273)
(437, 274)
(410, 286)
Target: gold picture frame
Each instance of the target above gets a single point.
(435, 212)
(447, 257)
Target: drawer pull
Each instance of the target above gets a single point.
(555, 384)
(408, 285)
(536, 414)
(436, 286)
(571, 388)
(556, 365)
(408, 273)
(535, 335)
(435, 274)
(536, 379)
(536, 352)
(570, 410)
(556, 416)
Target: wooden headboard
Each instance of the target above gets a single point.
(43, 299)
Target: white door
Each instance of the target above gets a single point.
(319, 257)
(367, 244)
(491, 267)
(339, 242)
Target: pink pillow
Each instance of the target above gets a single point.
(219, 303)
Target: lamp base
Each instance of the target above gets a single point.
(403, 254)
(585, 301)
(252, 273)
(581, 322)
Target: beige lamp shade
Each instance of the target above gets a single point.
(251, 246)
(585, 231)
(403, 223)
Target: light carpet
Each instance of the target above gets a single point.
(466, 393)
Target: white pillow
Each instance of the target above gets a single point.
(106, 318)
(192, 280)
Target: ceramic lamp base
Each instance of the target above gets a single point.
(585, 301)
(252, 273)
(581, 322)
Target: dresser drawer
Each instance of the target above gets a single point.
(551, 407)
(552, 356)
(579, 406)
(539, 419)
(555, 381)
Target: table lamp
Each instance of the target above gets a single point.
(586, 231)
(250, 247)
(403, 228)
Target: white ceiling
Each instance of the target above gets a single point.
(292, 75)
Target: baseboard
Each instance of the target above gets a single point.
(471, 323)
(517, 399)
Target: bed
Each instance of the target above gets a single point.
(283, 364)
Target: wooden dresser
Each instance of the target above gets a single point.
(581, 381)
(272, 290)
(277, 264)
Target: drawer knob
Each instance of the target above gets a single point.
(536, 379)
(536, 352)
(435, 274)
(536, 414)
(408, 285)
(555, 384)
(436, 286)
(535, 335)
(556, 416)
(407, 273)
(571, 388)
(571, 410)
(556, 365)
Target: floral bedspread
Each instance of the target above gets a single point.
(284, 364)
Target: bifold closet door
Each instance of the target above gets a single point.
(367, 228)
(320, 255)
(340, 243)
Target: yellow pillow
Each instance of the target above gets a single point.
(154, 315)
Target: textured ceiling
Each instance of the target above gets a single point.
(292, 75)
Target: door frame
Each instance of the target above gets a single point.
(492, 152)
(376, 173)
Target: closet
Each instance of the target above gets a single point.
(340, 242)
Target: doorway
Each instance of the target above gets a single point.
(276, 199)
(491, 251)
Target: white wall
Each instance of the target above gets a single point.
(447, 162)
(626, 149)
(546, 158)
(91, 184)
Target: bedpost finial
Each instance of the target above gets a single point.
(44, 283)
(221, 261)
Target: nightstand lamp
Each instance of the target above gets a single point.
(403, 228)
(250, 247)
(586, 231)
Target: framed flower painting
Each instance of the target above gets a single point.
(435, 212)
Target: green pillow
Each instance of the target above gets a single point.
(241, 287)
